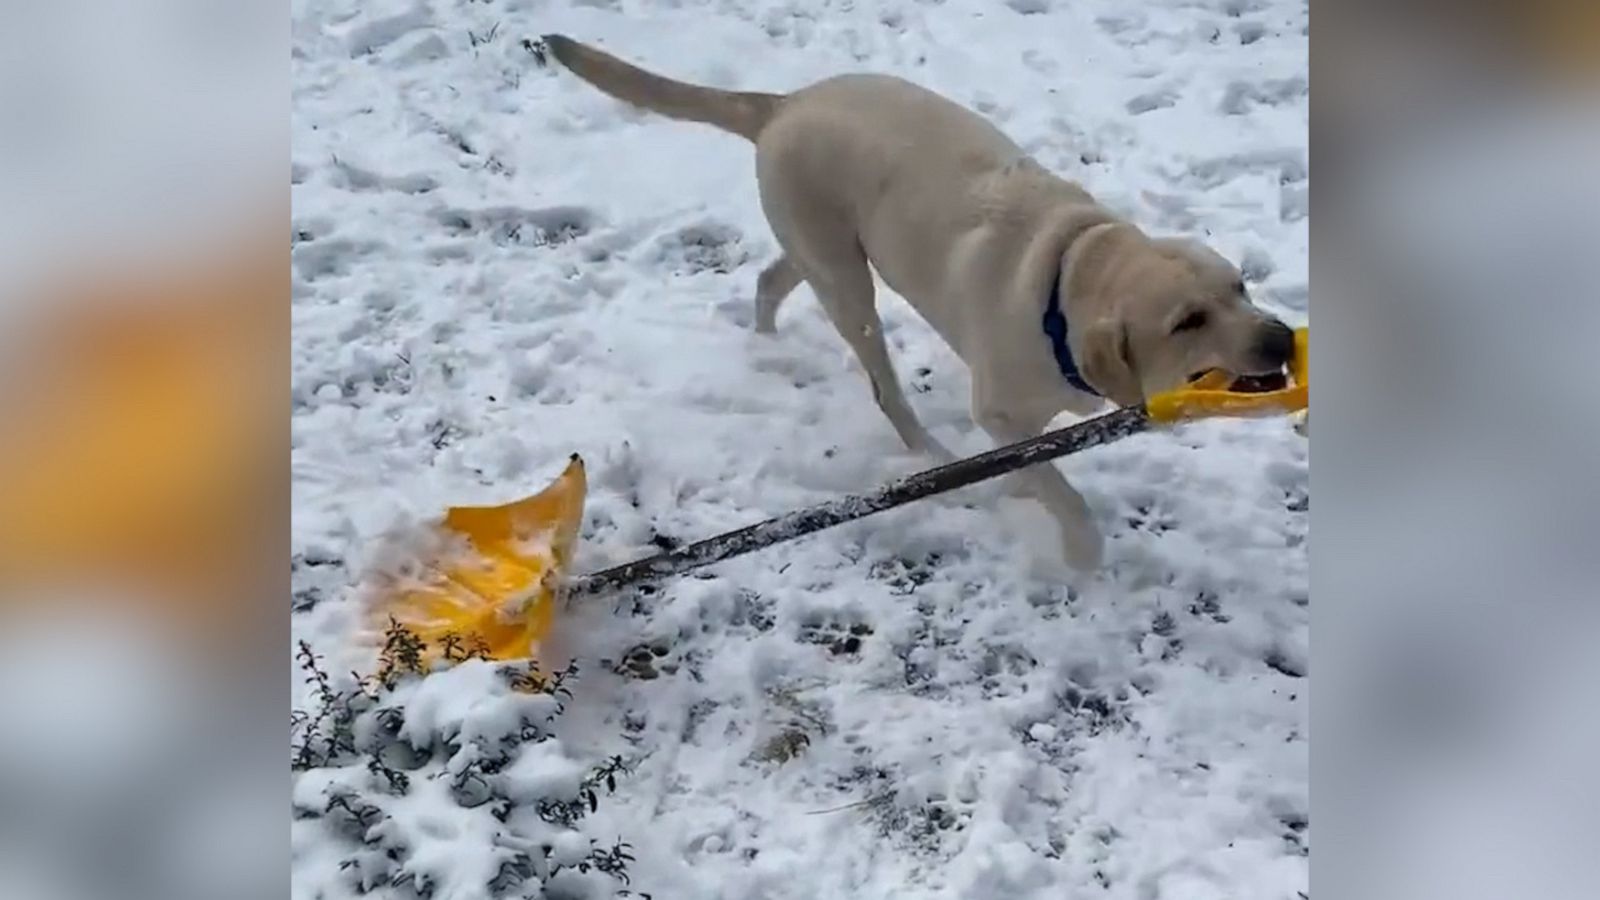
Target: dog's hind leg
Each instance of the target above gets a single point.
(813, 223)
(777, 281)
(842, 282)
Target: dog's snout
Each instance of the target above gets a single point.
(1275, 344)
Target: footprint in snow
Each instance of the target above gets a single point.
(306, 230)
(515, 225)
(1291, 296)
(315, 575)
(644, 662)
(313, 259)
(1164, 98)
(1040, 63)
(704, 247)
(1128, 29)
(839, 634)
(1171, 211)
(1243, 96)
(355, 178)
(1256, 265)
(1234, 9)
(1029, 7)
(1294, 203)
(1285, 662)
(380, 33)
(1287, 164)
(801, 370)
(1249, 32)
(429, 48)
(1148, 517)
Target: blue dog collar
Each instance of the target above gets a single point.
(1055, 328)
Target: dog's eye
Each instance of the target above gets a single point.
(1239, 287)
(1191, 322)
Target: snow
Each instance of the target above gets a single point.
(495, 266)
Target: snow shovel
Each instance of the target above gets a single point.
(496, 583)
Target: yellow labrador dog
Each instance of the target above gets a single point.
(1053, 302)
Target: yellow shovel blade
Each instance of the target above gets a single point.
(1206, 398)
(493, 585)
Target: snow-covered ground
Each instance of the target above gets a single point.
(495, 266)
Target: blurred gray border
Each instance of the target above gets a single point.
(1454, 551)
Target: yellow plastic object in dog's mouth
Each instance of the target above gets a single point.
(1218, 393)
(491, 589)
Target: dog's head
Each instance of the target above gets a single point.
(1150, 314)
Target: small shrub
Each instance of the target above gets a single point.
(363, 783)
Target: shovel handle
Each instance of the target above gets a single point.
(1093, 432)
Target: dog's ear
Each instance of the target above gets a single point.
(1108, 362)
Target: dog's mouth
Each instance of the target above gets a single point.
(1251, 384)
(1260, 384)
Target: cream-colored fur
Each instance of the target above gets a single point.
(869, 172)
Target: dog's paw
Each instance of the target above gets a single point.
(1083, 546)
(939, 453)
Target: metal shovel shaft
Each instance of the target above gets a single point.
(1093, 432)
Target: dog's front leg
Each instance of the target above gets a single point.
(1082, 543)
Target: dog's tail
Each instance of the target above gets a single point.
(741, 112)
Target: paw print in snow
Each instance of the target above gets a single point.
(840, 638)
(706, 247)
(644, 662)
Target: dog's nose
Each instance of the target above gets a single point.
(1275, 345)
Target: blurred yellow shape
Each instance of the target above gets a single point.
(494, 584)
(1567, 35)
(144, 439)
